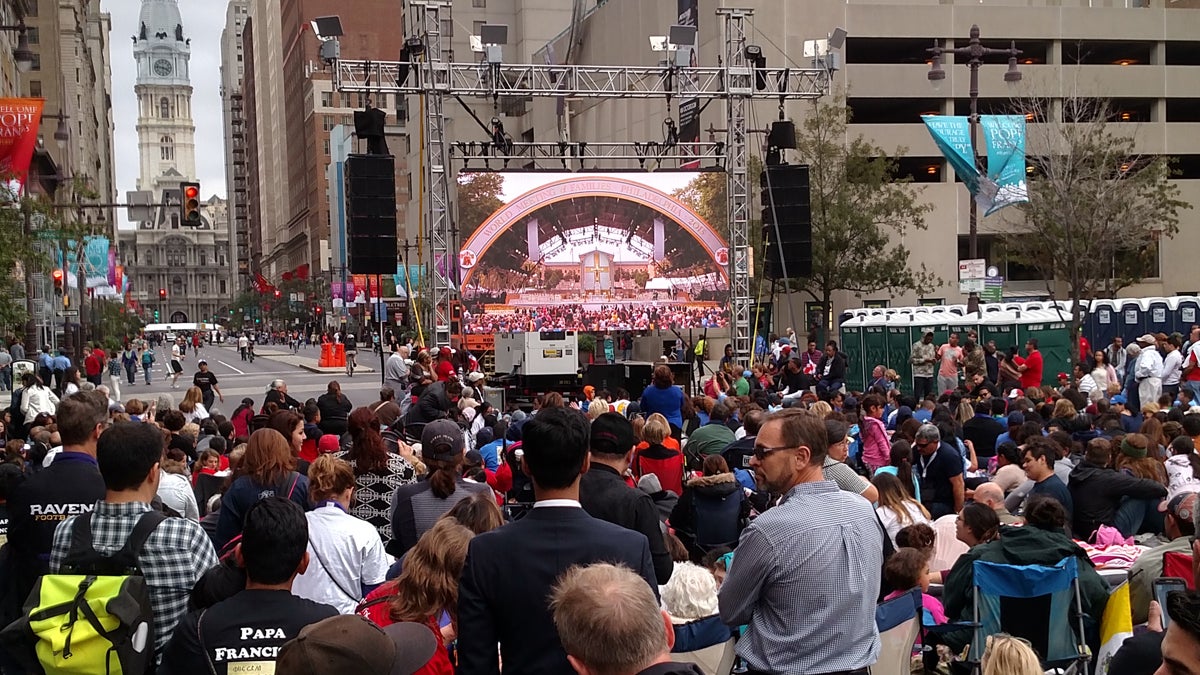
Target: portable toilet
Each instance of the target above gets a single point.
(999, 327)
(899, 349)
(1014, 306)
(1032, 306)
(1156, 314)
(1103, 322)
(874, 341)
(1186, 309)
(963, 327)
(851, 345)
(1133, 320)
(1054, 341)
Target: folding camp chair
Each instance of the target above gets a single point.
(1179, 564)
(899, 623)
(1038, 603)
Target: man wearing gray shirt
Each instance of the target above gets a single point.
(395, 371)
(806, 574)
(922, 358)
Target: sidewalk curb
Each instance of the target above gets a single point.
(335, 369)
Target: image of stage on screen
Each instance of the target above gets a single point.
(588, 252)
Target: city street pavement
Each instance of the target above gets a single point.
(239, 379)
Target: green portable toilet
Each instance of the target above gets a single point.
(875, 351)
(1000, 327)
(920, 323)
(963, 326)
(851, 344)
(1054, 341)
(899, 348)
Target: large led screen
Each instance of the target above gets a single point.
(594, 252)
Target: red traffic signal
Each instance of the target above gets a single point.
(189, 204)
(278, 294)
(57, 276)
(162, 294)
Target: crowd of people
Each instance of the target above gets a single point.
(761, 520)
(607, 318)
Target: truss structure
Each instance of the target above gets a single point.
(737, 82)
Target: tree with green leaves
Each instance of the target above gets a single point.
(861, 211)
(1097, 208)
(478, 198)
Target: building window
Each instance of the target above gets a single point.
(203, 259)
(224, 290)
(477, 27)
(167, 148)
(177, 285)
(204, 287)
(479, 4)
(148, 256)
(176, 255)
(164, 108)
(35, 88)
(37, 62)
(326, 147)
(327, 99)
(31, 33)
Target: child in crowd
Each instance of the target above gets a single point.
(908, 568)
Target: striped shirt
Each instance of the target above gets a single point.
(174, 558)
(805, 578)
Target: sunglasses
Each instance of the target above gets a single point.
(761, 452)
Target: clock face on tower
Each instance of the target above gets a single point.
(162, 67)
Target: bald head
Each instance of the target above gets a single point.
(990, 495)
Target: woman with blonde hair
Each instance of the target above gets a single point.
(267, 469)
(346, 557)
(821, 409)
(1007, 655)
(426, 589)
(659, 454)
(192, 405)
(1063, 410)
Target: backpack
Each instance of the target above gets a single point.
(147, 357)
(94, 615)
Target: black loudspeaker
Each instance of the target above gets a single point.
(371, 214)
(785, 202)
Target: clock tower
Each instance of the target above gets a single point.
(166, 134)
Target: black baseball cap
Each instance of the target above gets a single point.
(612, 434)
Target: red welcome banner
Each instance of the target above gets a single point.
(20, 119)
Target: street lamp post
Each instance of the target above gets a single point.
(975, 52)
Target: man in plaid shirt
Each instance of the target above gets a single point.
(177, 553)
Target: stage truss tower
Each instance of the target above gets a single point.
(738, 82)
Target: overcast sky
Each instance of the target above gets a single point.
(202, 22)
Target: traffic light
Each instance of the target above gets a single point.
(156, 315)
(189, 204)
(57, 276)
(162, 294)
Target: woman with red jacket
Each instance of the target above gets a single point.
(241, 418)
(660, 455)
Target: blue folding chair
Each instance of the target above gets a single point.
(899, 624)
(1038, 603)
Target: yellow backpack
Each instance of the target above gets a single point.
(93, 616)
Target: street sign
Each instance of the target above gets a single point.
(970, 285)
(972, 269)
(70, 313)
(49, 235)
(993, 289)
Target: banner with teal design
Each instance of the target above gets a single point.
(95, 261)
(952, 134)
(1005, 182)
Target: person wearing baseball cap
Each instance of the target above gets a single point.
(416, 507)
(444, 369)
(350, 644)
(1148, 369)
(1179, 525)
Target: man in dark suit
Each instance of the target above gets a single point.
(508, 575)
(604, 494)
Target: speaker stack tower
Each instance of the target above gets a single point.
(785, 202)
(371, 214)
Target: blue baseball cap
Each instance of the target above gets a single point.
(1119, 399)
